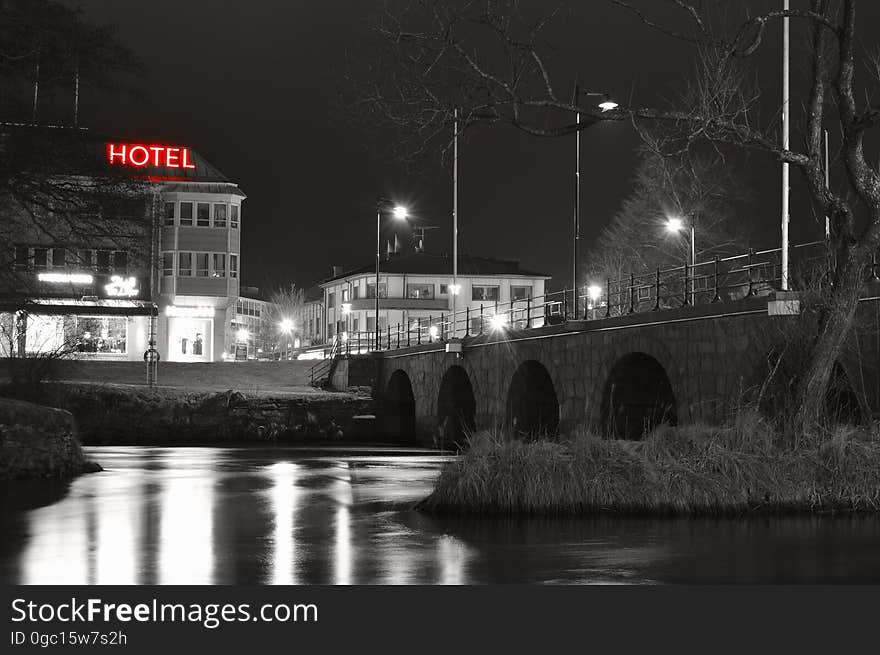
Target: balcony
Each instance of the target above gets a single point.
(438, 304)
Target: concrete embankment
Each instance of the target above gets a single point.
(39, 442)
(116, 414)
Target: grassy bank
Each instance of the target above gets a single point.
(698, 469)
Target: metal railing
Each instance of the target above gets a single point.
(721, 279)
(324, 368)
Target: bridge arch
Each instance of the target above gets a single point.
(399, 408)
(532, 403)
(637, 396)
(456, 407)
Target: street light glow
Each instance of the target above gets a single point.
(433, 331)
(400, 212)
(594, 292)
(242, 335)
(674, 224)
(498, 321)
(608, 105)
(286, 325)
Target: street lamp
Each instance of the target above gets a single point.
(400, 213)
(607, 104)
(285, 326)
(676, 224)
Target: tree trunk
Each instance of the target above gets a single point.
(834, 324)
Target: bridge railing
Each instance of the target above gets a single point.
(721, 279)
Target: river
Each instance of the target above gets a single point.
(290, 516)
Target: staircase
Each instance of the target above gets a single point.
(321, 373)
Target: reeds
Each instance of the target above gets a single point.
(742, 467)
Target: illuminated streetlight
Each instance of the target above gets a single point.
(285, 325)
(400, 213)
(594, 292)
(433, 331)
(677, 224)
(608, 105)
(498, 321)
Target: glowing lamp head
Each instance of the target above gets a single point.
(242, 335)
(674, 224)
(433, 331)
(400, 213)
(608, 105)
(345, 336)
(498, 322)
(286, 325)
(594, 292)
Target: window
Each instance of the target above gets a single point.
(186, 213)
(219, 265)
(345, 295)
(201, 264)
(355, 325)
(520, 293)
(331, 299)
(484, 293)
(233, 265)
(219, 215)
(41, 258)
(169, 213)
(84, 258)
(103, 261)
(120, 261)
(233, 217)
(59, 257)
(203, 214)
(185, 264)
(167, 264)
(371, 324)
(476, 325)
(371, 290)
(22, 254)
(99, 334)
(420, 291)
(356, 292)
(444, 289)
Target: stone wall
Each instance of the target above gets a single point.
(38, 441)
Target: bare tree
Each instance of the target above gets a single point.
(488, 59)
(279, 324)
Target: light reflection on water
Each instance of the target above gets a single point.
(282, 516)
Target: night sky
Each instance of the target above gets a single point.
(254, 88)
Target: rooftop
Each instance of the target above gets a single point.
(423, 263)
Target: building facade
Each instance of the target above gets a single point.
(155, 257)
(415, 294)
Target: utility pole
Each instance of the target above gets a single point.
(785, 143)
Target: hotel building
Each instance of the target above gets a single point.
(153, 251)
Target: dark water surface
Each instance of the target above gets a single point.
(287, 516)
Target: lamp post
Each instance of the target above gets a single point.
(606, 105)
(675, 224)
(286, 326)
(399, 212)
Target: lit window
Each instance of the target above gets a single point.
(169, 213)
(233, 265)
(420, 291)
(203, 214)
(184, 264)
(219, 215)
(484, 293)
(371, 290)
(233, 217)
(520, 293)
(186, 213)
(219, 265)
(201, 264)
(167, 264)
(345, 295)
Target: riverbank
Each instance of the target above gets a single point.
(691, 470)
(113, 414)
(39, 442)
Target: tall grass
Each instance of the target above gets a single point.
(698, 469)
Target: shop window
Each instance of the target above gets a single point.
(41, 258)
(203, 214)
(184, 264)
(233, 217)
(22, 255)
(99, 334)
(59, 257)
(186, 213)
(103, 261)
(168, 264)
(219, 265)
(219, 215)
(120, 261)
(484, 293)
(201, 264)
(520, 293)
(233, 265)
(424, 291)
(169, 213)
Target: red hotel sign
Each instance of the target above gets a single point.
(140, 155)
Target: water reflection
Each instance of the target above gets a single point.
(237, 516)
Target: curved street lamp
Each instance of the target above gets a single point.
(400, 213)
(677, 224)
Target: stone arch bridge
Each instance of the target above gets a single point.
(617, 375)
